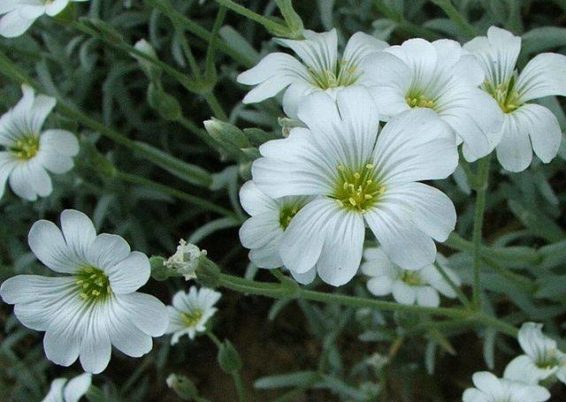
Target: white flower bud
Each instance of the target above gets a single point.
(185, 260)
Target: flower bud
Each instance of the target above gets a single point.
(229, 358)
(150, 69)
(186, 260)
(183, 387)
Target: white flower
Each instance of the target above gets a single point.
(542, 358)
(439, 76)
(489, 388)
(527, 126)
(322, 70)
(29, 152)
(19, 15)
(358, 178)
(408, 286)
(96, 305)
(185, 260)
(262, 232)
(190, 312)
(68, 391)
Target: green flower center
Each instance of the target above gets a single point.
(505, 94)
(94, 285)
(418, 99)
(358, 190)
(192, 318)
(345, 74)
(547, 360)
(287, 213)
(26, 147)
(411, 278)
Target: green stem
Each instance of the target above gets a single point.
(283, 290)
(481, 191)
(211, 51)
(236, 375)
(452, 12)
(200, 202)
(510, 254)
(404, 25)
(216, 107)
(268, 24)
(202, 33)
(461, 296)
(239, 384)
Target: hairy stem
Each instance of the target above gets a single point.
(481, 191)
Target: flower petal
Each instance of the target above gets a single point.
(294, 95)
(475, 117)
(377, 263)
(304, 278)
(415, 145)
(47, 243)
(403, 243)
(342, 251)
(319, 51)
(29, 179)
(79, 232)
(254, 201)
(542, 76)
(514, 151)
(403, 293)
(107, 250)
(124, 335)
(42, 106)
(419, 56)
(13, 24)
(389, 80)
(427, 296)
(427, 208)
(260, 230)
(497, 53)
(7, 164)
(293, 166)
(272, 74)
(380, 285)
(77, 387)
(63, 336)
(146, 312)
(302, 242)
(130, 273)
(61, 141)
(543, 128)
(361, 124)
(95, 349)
(361, 45)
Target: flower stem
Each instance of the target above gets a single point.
(191, 199)
(285, 290)
(481, 191)
(267, 23)
(452, 12)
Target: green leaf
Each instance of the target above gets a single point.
(294, 379)
(542, 39)
(183, 170)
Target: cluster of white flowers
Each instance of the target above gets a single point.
(542, 362)
(313, 194)
(19, 15)
(29, 153)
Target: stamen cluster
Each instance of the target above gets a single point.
(358, 190)
(94, 285)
